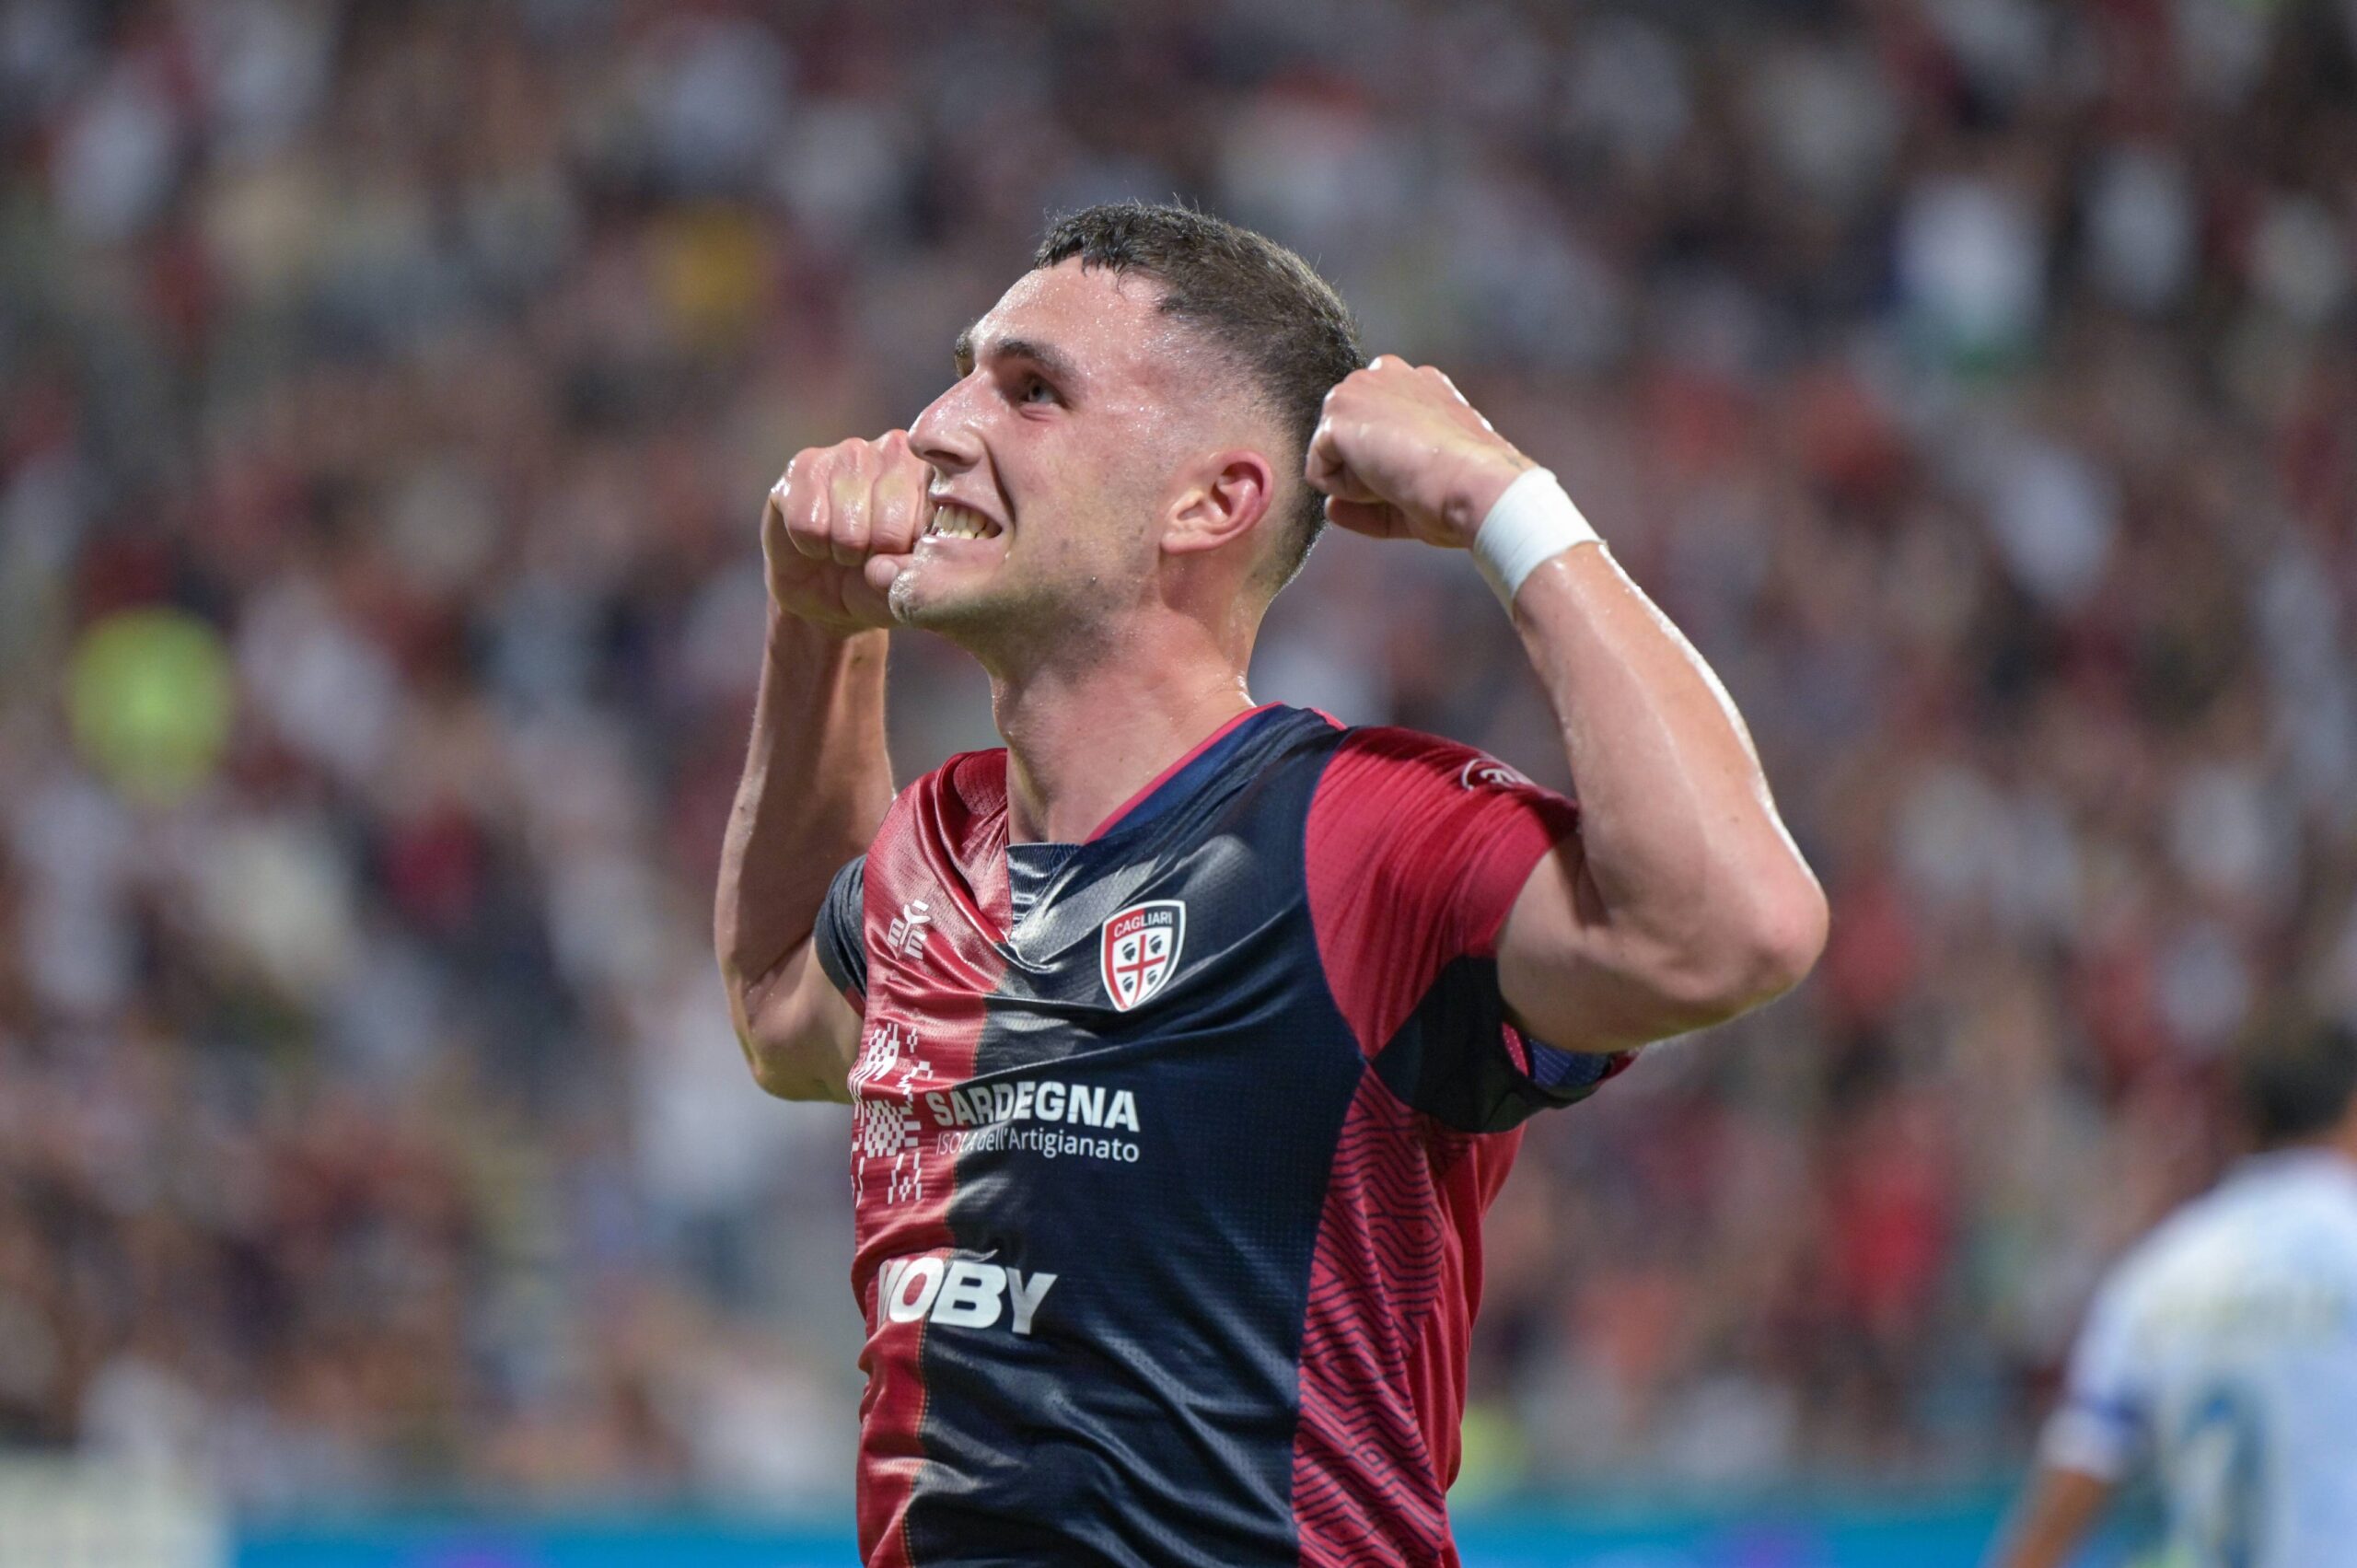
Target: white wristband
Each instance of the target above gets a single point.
(1533, 521)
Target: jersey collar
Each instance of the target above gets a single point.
(1175, 783)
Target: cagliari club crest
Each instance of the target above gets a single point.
(1139, 950)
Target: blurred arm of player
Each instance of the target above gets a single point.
(817, 781)
(1682, 901)
(2063, 1507)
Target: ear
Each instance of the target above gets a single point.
(1223, 501)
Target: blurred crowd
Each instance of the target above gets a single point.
(387, 395)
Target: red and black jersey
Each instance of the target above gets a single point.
(1170, 1150)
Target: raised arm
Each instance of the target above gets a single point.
(817, 777)
(1682, 901)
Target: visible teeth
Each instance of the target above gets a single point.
(956, 522)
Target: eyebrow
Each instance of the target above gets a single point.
(1047, 356)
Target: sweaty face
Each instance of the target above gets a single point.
(1053, 456)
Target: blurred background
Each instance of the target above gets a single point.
(387, 393)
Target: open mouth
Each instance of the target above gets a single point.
(956, 522)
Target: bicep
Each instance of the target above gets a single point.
(800, 1034)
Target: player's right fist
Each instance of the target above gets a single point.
(837, 528)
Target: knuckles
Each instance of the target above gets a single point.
(1385, 374)
(826, 496)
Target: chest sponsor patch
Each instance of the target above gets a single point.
(1139, 951)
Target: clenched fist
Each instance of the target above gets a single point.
(1400, 454)
(839, 527)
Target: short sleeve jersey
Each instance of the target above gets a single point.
(1170, 1150)
(2223, 1354)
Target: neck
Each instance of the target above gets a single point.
(1086, 733)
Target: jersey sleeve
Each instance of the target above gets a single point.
(2103, 1423)
(1416, 850)
(840, 939)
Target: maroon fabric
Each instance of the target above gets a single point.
(1416, 851)
(943, 842)
(1392, 1291)
(1417, 848)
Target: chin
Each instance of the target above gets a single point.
(939, 607)
(992, 620)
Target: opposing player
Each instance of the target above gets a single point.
(2223, 1351)
(1187, 1038)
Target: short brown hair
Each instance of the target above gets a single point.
(1251, 297)
(2297, 1078)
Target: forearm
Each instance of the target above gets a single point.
(816, 783)
(1684, 864)
(2062, 1507)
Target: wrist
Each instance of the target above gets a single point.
(806, 637)
(1530, 521)
(1471, 500)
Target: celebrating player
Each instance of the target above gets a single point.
(2223, 1351)
(1187, 1038)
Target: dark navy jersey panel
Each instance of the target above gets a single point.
(1446, 1061)
(1149, 1414)
(841, 951)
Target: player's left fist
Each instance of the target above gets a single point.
(1400, 454)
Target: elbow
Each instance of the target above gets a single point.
(1773, 944)
(1759, 947)
(781, 1077)
(1791, 935)
(784, 1072)
(772, 1074)
(773, 1066)
(788, 1057)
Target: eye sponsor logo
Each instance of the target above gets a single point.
(1139, 951)
(906, 933)
(1488, 773)
(965, 1292)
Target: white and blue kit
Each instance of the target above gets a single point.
(2223, 1353)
